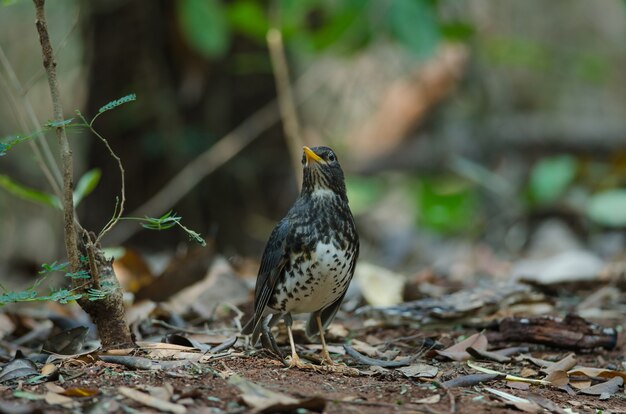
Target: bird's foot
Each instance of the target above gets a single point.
(296, 362)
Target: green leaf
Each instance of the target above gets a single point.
(114, 104)
(27, 193)
(9, 143)
(248, 17)
(447, 204)
(21, 296)
(81, 274)
(55, 124)
(86, 184)
(550, 177)
(414, 24)
(608, 208)
(204, 26)
(53, 267)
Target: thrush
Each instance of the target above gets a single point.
(309, 259)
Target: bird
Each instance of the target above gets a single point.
(309, 259)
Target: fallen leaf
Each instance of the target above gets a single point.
(80, 392)
(262, 400)
(379, 286)
(58, 399)
(596, 372)
(27, 395)
(557, 378)
(486, 355)
(580, 384)
(433, 399)
(419, 370)
(18, 368)
(150, 401)
(609, 387)
(547, 404)
(365, 348)
(518, 402)
(518, 385)
(565, 364)
(470, 380)
(68, 342)
(458, 352)
(52, 387)
(507, 376)
(49, 370)
(528, 372)
(185, 341)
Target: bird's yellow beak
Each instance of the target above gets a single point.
(311, 156)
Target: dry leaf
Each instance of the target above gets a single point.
(57, 399)
(458, 352)
(506, 376)
(564, 364)
(49, 369)
(557, 378)
(609, 387)
(150, 401)
(419, 370)
(518, 385)
(52, 387)
(262, 400)
(579, 385)
(80, 392)
(365, 349)
(528, 372)
(596, 372)
(518, 402)
(470, 380)
(18, 368)
(433, 399)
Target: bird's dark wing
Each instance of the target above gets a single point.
(273, 261)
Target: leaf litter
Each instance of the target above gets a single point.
(189, 357)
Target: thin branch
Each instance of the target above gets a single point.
(286, 101)
(51, 171)
(49, 63)
(119, 209)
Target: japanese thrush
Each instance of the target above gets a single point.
(309, 258)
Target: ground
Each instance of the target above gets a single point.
(207, 387)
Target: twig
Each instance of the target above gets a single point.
(285, 99)
(119, 210)
(49, 63)
(51, 172)
(371, 361)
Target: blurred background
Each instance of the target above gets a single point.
(478, 137)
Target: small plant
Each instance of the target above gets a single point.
(92, 280)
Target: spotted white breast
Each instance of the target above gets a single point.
(311, 285)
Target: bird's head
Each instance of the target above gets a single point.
(322, 172)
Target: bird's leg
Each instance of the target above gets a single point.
(327, 361)
(295, 359)
(325, 355)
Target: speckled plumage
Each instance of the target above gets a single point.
(310, 256)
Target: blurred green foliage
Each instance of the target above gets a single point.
(550, 177)
(447, 204)
(608, 208)
(311, 26)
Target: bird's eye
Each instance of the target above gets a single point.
(331, 157)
